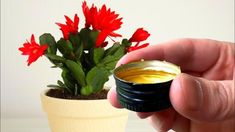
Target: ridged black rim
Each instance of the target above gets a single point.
(153, 98)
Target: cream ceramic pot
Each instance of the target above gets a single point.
(83, 115)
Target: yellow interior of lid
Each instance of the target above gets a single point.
(156, 72)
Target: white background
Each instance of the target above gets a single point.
(164, 19)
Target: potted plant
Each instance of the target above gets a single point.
(78, 101)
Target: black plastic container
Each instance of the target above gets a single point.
(146, 96)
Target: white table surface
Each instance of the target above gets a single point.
(134, 124)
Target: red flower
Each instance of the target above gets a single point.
(136, 47)
(69, 27)
(104, 20)
(32, 49)
(139, 35)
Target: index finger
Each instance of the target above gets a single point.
(190, 54)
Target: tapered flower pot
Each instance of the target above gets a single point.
(83, 115)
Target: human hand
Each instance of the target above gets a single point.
(203, 95)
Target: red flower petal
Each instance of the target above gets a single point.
(101, 38)
(68, 20)
(89, 14)
(33, 39)
(115, 34)
(136, 47)
(139, 35)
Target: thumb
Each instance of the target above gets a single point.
(203, 100)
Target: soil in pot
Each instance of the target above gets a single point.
(59, 93)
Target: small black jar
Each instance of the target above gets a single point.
(144, 86)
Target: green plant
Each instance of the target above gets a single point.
(83, 57)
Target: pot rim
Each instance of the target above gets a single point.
(75, 108)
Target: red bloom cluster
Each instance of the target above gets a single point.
(69, 27)
(139, 35)
(33, 50)
(104, 20)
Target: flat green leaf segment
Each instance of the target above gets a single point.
(76, 71)
(96, 78)
(50, 41)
